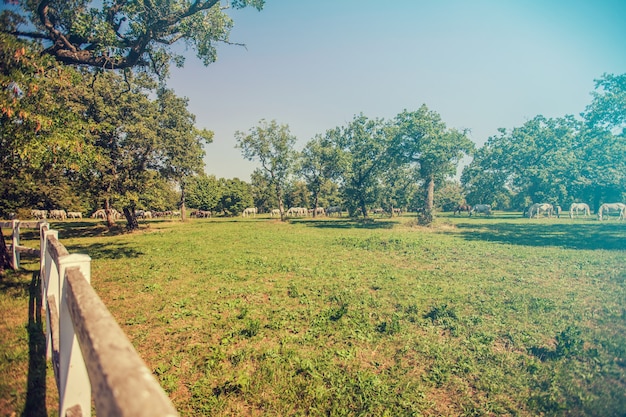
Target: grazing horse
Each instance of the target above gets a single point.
(249, 211)
(540, 208)
(576, 207)
(607, 208)
(463, 207)
(333, 210)
(481, 208)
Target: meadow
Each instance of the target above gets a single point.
(336, 317)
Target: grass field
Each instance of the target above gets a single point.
(332, 317)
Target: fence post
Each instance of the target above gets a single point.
(50, 285)
(72, 369)
(16, 243)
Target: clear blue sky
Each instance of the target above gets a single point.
(480, 64)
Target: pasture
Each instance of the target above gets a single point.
(477, 316)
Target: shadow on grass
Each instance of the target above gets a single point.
(346, 224)
(106, 250)
(591, 236)
(36, 385)
(70, 230)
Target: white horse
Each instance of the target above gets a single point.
(481, 208)
(249, 211)
(576, 207)
(540, 208)
(607, 208)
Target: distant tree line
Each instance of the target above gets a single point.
(87, 122)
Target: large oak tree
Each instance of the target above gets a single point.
(422, 138)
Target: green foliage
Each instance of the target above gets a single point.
(607, 110)
(361, 151)
(272, 146)
(559, 161)
(235, 196)
(123, 35)
(203, 192)
(422, 138)
(44, 143)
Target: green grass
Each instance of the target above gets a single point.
(474, 316)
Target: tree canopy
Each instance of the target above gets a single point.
(270, 144)
(120, 34)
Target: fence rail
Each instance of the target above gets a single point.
(89, 351)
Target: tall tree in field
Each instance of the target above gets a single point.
(125, 128)
(362, 151)
(181, 150)
(271, 145)
(121, 34)
(422, 138)
(318, 164)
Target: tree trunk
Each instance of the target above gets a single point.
(430, 193)
(281, 206)
(363, 208)
(6, 261)
(131, 218)
(108, 213)
(183, 214)
(315, 205)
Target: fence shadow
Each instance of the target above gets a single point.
(587, 236)
(36, 386)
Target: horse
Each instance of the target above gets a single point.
(249, 211)
(576, 207)
(462, 207)
(607, 208)
(481, 208)
(539, 208)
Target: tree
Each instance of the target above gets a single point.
(536, 161)
(297, 194)
(318, 164)
(236, 195)
(121, 34)
(362, 154)
(44, 141)
(272, 146)
(263, 193)
(399, 184)
(607, 110)
(421, 138)
(182, 143)
(204, 192)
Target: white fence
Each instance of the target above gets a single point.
(89, 351)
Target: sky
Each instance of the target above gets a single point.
(482, 65)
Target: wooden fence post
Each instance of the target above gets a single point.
(16, 243)
(50, 286)
(72, 368)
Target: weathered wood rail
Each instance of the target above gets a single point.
(89, 351)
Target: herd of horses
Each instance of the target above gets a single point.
(548, 210)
